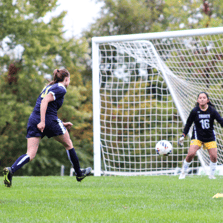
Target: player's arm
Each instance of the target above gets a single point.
(67, 124)
(43, 107)
(218, 118)
(189, 122)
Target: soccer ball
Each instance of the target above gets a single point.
(164, 147)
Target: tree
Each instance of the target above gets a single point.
(121, 17)
(128, 16)
(118, 17)
(192, 14)
(31, 50)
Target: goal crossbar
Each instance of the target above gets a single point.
(158, 35)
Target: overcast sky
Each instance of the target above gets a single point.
(80, 14)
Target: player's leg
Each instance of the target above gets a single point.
(72, 156)
(191, 153)
(32, 147)
(67, 143)
(213, 161)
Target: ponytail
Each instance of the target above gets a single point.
(59, 75)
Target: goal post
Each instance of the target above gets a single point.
(96, 110)
(144, 86)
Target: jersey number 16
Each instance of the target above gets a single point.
(205, 123)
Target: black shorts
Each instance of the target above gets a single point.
(53, 127)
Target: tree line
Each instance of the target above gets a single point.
(31, 49)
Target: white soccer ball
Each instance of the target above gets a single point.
(164, 147)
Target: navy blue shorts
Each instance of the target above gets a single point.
(53, 127)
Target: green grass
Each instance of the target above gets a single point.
(112, 199)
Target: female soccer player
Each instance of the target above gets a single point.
(44, 122)
(203, 116)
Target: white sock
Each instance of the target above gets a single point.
(186, 165)
(212, 168)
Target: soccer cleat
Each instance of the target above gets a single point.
(212, 177)
(85, 172)
(182, 175)
(7, 173)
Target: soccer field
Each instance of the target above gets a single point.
(112, 199)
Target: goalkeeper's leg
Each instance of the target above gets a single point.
(213, 162)
(191, 153)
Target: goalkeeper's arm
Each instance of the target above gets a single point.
(181, 140)
(189, 122)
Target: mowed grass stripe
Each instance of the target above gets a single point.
(112, 199)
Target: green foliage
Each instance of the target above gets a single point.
(119, 17)
(127, 17)
(155, 199)
(193, 14)
(42, 49)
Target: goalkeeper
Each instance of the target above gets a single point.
(203, 116)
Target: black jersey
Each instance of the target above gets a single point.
(203, 129)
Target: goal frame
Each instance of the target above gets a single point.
(96, 85)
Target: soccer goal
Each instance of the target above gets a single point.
(144, 86)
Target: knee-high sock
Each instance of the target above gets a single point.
(212, 168)
(186, 165)
(21, 161)
(74, 161)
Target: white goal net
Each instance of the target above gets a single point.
(147, 87)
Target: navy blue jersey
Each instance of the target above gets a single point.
(58, 91)
(203, 123)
